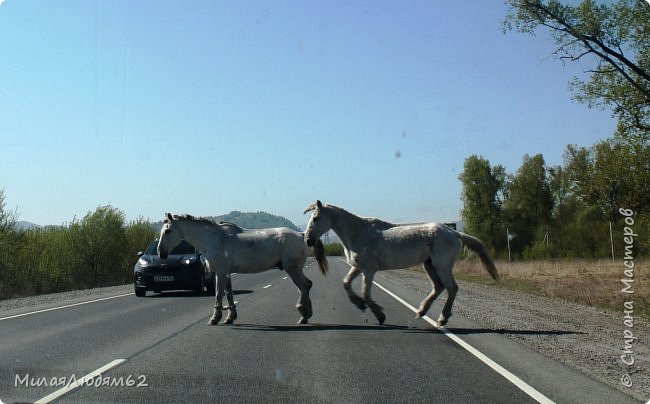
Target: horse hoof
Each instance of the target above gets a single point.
(305, 310)
(212, 322)
(381, 317)
(302, 320)
(441, 323)
(418, 316)
(228, 321)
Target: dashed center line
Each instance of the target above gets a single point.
(267, 286)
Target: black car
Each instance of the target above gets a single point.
(184, 268)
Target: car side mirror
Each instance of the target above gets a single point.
(140, 253)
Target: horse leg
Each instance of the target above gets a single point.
(304, 302)
(347, 285)
(447, 278)
(304, 285)
(232, 310)
(216, 316)
(376, 309)
(437, 288)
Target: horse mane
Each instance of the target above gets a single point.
(312, 206)
(198, 219)
(231, 226)
(376, 223)
(379, 224)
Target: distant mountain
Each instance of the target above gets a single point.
(247, 220)
(255, 220)
(23, 225)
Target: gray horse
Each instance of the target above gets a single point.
(229, 248)
(373, 245)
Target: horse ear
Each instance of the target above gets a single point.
(318, 204)
(170, 217)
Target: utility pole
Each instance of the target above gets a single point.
(611, 240)
(508, 238)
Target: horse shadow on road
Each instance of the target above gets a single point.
(311, 327)
(389, 327)
(504, 331)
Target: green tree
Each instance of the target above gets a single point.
(7, 245)
(528, 208)
(482, 195)
(609, 175)
(612, 41)
(7, 218)
(100, 239)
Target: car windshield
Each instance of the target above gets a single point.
(183, 248)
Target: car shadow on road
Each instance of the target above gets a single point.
(189, 293)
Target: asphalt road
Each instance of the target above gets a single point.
(159, 349)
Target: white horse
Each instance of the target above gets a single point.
(229, 248)
(373, 245)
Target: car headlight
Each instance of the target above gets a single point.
(189, 261)
(143, 262)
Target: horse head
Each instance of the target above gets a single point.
(170, 236)
(319, 222)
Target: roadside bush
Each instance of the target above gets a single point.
(98, 250)
(334, 249)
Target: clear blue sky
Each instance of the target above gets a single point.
(205, 107)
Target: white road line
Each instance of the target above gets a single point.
(80, 382)
(523, 386)
(285, 277)
(266, 287)
(64, 307)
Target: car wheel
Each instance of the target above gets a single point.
(140, 292)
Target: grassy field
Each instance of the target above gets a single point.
(595, 283)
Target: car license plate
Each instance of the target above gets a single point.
(163, 278)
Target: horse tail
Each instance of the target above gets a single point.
(319, 254)
(479, 248)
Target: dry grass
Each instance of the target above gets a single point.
(591, 282)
